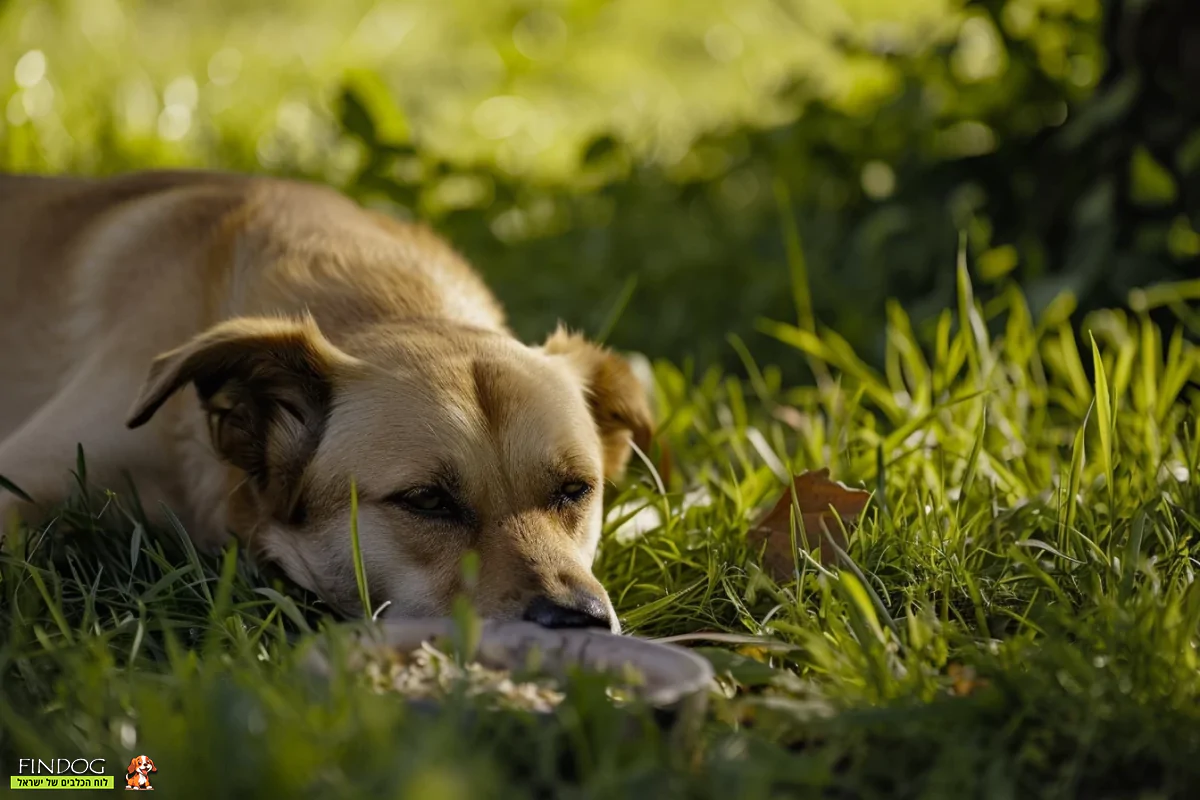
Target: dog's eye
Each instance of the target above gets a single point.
(574, 491)
(428, 501)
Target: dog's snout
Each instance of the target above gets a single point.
(590, 612)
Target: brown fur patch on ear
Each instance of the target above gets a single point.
(266, 385)
(617, 398)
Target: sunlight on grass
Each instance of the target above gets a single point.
(1031, 524)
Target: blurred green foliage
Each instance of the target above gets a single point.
(650, 158)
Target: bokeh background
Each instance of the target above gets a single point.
(656, 171)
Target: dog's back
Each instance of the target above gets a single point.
(142, 262)
(56, 287)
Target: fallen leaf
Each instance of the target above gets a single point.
(821, 502)
(964, 680)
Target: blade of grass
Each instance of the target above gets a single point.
(619, 306)
(360, 571)
(1104, 421)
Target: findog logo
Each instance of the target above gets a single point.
(60, 766)
(60, 773)
(137, 774)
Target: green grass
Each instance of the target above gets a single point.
(1034, 520)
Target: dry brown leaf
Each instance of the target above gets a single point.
(818, 498)
(964, 680)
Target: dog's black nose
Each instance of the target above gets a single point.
(590, 612)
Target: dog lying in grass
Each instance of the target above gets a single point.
(244, 348)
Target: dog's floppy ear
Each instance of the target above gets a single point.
(617, 398)
(266, 385)
(152, 767)
(132, 768)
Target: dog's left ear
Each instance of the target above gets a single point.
(266, 386)
(617, 398)
(152, 767)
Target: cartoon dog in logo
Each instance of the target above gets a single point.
(137, 774)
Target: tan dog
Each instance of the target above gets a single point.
(244, 347)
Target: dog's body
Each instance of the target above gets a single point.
(326, 343)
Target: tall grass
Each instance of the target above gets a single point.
(1020, 616)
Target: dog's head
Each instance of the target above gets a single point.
(457, 439)
(141, 765)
